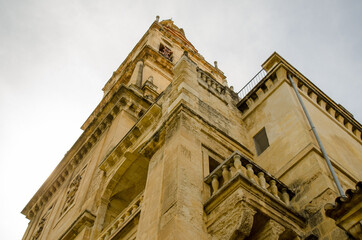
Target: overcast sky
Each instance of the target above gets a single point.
(55, 57)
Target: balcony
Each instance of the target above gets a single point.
(246, 201)
(237, 163)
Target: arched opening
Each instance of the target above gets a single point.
(127, 183)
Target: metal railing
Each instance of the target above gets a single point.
(252, 83)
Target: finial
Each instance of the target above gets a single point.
(157, 18)
(215, 64)
(225, 82)
(150, 79)
(232, 88)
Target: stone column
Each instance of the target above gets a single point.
(137, 74)
(173, 207)
(270, 231)
(139, 67)
(150, 209)
(101, 214)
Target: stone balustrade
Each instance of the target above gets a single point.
(237, 163)
(211, 82)
(123, 218)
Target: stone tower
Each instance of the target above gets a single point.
(171, 152)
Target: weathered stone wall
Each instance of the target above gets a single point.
(146, 175)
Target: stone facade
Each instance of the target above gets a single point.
(171, 152)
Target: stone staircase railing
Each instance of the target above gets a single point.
(238, 163)
(123, 218)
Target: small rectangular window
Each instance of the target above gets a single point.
(213, 164)
(211, 160)
(166, 52)
(261, 141)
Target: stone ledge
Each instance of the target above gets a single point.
(86, 219)
(126, 216)
(133, 134)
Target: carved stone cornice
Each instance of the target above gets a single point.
(212, 85)
(131, 137)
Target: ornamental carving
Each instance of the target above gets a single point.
(41, 224)
(232, 219)
(73, 188)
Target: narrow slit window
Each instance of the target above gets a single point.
(261, 141)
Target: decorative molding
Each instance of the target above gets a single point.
(86, 219)
(41, 224)
(210, 83)
(131, 137)
(123, 218)
(70, 195)
(233, 220)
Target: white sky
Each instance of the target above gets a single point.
(55, 57)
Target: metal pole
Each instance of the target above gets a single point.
(335, 178)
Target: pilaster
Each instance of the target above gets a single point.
(270, 231)
(173, 207)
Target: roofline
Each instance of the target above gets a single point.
(274, 61)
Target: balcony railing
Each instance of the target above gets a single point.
(123, 218)
(252, 83)
(210, 81)
(238, 163)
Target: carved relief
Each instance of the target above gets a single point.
(232, 219)
(72, 190)
(41, 224)
(244, 224)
